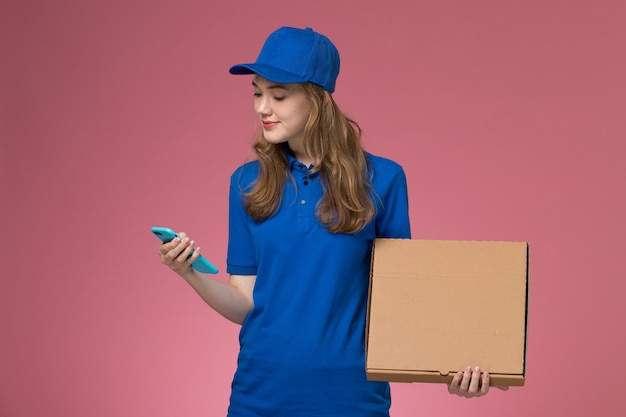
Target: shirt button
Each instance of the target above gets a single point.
(306, 182)
(302, 201)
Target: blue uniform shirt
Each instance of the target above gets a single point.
(302, 346)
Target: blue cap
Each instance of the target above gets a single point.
(292, 55)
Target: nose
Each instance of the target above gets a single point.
(262, 106)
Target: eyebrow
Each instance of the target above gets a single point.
(273, 86)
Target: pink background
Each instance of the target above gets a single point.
(508, 117)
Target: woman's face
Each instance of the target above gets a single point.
(283, 110)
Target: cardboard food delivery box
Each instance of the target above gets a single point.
(438, 306)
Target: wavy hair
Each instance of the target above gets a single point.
(333, 141)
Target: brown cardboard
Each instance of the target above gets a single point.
(438, 306)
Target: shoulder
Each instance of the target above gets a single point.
(383, 168)
(381, 163)
(245, 174)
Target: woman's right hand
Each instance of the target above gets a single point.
(175, 254)
(233, 300)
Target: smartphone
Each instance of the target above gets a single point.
(201, 264)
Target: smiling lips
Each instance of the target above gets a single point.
(268, 124)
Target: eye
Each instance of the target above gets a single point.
(279, 98)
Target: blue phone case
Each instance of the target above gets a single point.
(201, 264)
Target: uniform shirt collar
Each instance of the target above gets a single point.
(294, 164)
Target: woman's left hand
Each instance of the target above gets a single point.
(471, 383)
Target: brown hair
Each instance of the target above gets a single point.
(333, 141)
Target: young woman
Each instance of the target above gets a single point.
(302, 220)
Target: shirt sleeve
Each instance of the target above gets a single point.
(241, 256)
(392, 220)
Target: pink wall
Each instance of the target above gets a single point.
(508, 117)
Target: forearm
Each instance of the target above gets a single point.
(232, 300)
(229, 300)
